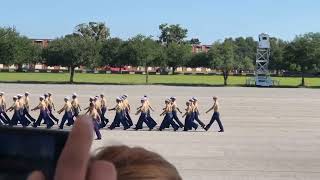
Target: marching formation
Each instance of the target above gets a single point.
(97, 109)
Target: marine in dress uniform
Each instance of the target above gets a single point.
(168, 118)
(91, 101)
(75, 105)
(149, 118)
(119, 116)
(127, 109)
(97, 104)
(103, 103)
(95, 120)
(16, 118)
(21, 110)
(175, 110)
(27, 107)
(189, 123)
(196, 112)
(50, 107)
(143, 110)
(43, 115)
(3, 115)
(215, 116)
(68, 116)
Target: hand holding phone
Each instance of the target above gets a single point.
(74, 163)
(23, 150)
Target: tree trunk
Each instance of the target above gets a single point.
(32, 67)
(302, 79)
(19, 68)
(71, 74)
(147, 74)
(225, 77)
(174, 70)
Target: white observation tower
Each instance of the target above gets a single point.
(262, 75)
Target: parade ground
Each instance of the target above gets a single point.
(270, 133)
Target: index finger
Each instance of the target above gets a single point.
(73, 162)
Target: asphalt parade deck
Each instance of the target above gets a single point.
(271, 134)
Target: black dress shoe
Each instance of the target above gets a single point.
(221, 131)
(49, 127)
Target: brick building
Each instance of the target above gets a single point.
(200, 48)
(42, 42)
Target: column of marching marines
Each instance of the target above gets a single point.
(97, 109)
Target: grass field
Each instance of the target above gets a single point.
(140, 79)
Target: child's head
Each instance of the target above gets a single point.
(138, 163)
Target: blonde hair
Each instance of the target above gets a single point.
(138, 164)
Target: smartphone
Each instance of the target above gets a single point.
(23, 150)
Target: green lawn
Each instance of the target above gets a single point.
(140, 79)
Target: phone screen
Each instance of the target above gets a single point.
(23, 151)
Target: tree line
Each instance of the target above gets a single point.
(90, 45)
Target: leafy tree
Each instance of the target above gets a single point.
(26, 52)
(223, 57)
(144, 51)
(245, 52)
(194, 41)
(126, 55)
(17, 49)
(173, 33)
(95, 30)
(7, 45)
(303, 54)
(177, 55)
(110, 51)
(277, 55)
(177, 51)
(246, 64)
(199, 60)
(73, 51)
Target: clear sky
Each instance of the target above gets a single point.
(208, 20)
